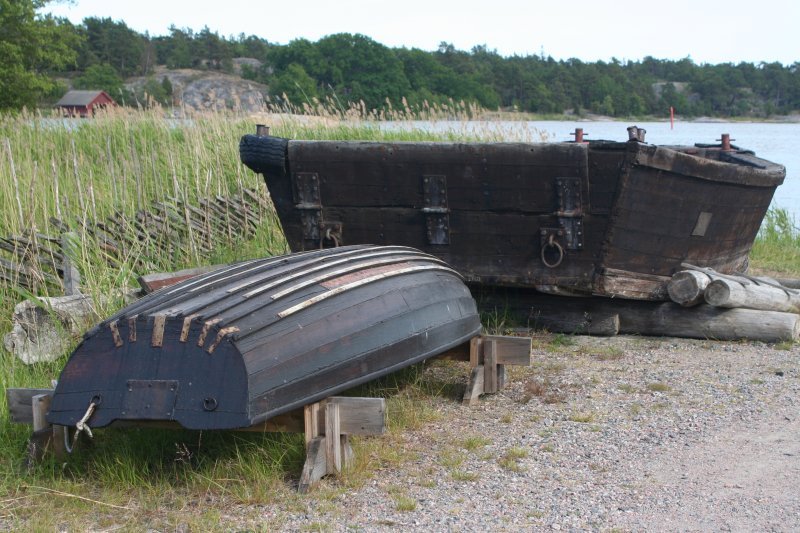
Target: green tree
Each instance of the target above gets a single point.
(103, 78)
(112, 43)
(296, 84)
(31, 47)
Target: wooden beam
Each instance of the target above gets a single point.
(490, 366)
(359, 416)
(333, 442)
(20, 403)
(511, 350)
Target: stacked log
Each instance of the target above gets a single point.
(759, 308)
(580, 315)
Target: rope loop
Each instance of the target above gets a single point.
(81, 426)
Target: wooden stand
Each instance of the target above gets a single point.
(488, 356)
(327, 424)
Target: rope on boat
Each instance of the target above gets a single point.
(81, 426)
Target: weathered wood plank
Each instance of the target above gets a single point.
(474, 386)
(359, 416)
(490, 367)
(20, 402)
(333, 443)
(315, 466)
(511, 350)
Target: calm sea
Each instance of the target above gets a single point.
(775, 142)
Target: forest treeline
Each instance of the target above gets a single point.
(101, 53)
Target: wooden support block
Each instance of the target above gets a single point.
(490, 366)
(511, 350)
(333, 443)
(360, 416)
(40, 404)
(315, 466)
(501, 377)
(60, 436)
(20, 403)
(476, 351)
(348, 455)
(311, 421)
(474, 386)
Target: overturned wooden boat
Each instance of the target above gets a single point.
(603, 218)
(234, 347)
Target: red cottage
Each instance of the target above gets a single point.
(84, 103)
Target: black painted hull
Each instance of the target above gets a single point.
(235, 347)
(612, 219)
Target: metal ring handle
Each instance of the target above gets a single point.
(552, 243)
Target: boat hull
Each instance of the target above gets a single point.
(237, 346)
(604, 218)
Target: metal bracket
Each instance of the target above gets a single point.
(149, 398)
(437, 212)
(570, 213)
(305, 192)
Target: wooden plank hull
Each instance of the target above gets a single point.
(604, 218)
(237, 346)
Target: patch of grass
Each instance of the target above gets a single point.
(777, 246)
(451, 459)
(404, 503)
(582, 418)
(658, 386)
(608, 353)
(510, 460)
(462, 475)
(474, 442)
(506, 418)
(785, 345)
(626, 387)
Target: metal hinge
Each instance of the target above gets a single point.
(569, 233)
(437, 212)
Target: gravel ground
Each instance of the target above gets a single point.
(604, 434)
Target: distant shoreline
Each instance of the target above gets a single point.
(589, 117)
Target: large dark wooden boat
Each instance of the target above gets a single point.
(234, 347)
(603, 218)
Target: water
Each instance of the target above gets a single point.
(774, 142)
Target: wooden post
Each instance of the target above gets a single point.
(72, 277)
(489, 355)
(333, 444)
(328, 426)
(490, 367)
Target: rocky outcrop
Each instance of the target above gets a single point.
(207, 90)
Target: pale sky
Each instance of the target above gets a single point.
(707, 31)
